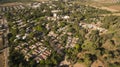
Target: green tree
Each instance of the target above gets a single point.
(89, 46)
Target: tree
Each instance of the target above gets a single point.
(95, 38)
(89, 46)
(87, 60)
(16, 59)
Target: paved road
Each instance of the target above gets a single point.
(6, 53)
(6, 50)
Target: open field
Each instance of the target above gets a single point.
(110, 6)
(117, 7)
(113, 7)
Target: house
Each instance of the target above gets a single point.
(69, 33)
(44, 56)
(37, 59)
(18, 47)
(68, 42)
(54, 15)
(3, 9)
(51, 33)
(66, 17)
(71, 42)
(18, 7)
(74, 41)
(27, 56)
(18, 36)
(25, 36)
(21, 6)
(10, 8)
(32, 47)
(7, 8)
(14, 8)
(34, 52)
(93, 27)
(35, 5)
(24, 51)
(47, 26)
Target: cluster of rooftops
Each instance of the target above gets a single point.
(36, 51)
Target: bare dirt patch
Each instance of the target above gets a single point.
(98, 63)
(79, 65)
(116, 7)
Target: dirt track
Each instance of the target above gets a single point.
(114, 14)
(105, 8)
